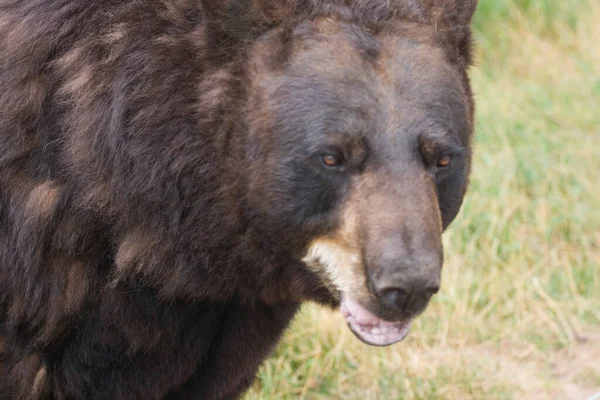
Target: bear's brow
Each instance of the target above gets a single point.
(445, 139)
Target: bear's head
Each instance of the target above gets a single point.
(358, 118)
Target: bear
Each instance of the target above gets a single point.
(178, 176)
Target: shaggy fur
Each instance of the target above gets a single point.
(144, 250)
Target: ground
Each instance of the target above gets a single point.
(518, 316)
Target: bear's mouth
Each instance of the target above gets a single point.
(369, 328)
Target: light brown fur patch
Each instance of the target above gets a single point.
(77, 287)
(134, 246)
(25, 372)
(41, 200)
(71, 60)
(97, 196)
(117, 33)
(39, 383)
(337, 257)
(69, 289)
(79, 81)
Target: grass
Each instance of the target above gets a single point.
(519, 312)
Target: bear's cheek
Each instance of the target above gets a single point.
(305, 203)
(337, 258)
(451, 192)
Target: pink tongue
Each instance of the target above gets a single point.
(371, 329)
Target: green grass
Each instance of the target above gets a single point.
(519, 312)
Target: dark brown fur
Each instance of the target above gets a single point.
(134, 261)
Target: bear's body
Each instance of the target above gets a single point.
(146, 250)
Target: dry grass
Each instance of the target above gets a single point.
(519, 313)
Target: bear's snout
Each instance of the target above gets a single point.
(402, 245)
(404, 283)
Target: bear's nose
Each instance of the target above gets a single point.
(403, 296)
(404, 282)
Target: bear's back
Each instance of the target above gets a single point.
(97, 174)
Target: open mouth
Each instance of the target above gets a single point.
(369, 328)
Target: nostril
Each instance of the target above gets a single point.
(394, 298)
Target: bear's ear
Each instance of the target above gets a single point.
(452, 19)
(451, 14)
(228, 19)
(243, 19)
(231, 24)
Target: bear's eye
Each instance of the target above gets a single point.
(444, 162)
(331, 161)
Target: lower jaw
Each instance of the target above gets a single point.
(371, 329)
(380, 337)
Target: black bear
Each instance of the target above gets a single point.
(178, 176)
